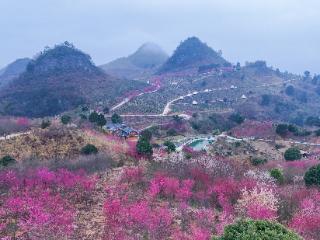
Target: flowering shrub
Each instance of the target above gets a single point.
(306, 220)
(150, 213)
(260, 176)
(259, 203)
(192, 206)
(132, 149)
(22, 121)
(38, 203)
(171, 187)
(133, 174)
(38, 214)
(127, 219)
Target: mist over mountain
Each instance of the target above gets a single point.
(145, 60)
(192, 53)
(149, 55)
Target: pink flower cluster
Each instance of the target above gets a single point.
(163, 206)
(39, 203)
(171, 187)
(22, 121)
(38, 214)
(306, 220)
(127, 219)
(133, 174)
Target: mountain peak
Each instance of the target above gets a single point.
(61, 58)
(57, 80)
(192, 52)
(149, 55)
(150, 47)
(144, 61)
(193, 39)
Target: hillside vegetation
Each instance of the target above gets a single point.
(192, 53)
(59, 79)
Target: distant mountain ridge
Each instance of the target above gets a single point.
(145, 60)
(149, 55)
(13, 70)
(57, 80)
(192, 53)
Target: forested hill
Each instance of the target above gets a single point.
(57, 80)
(192, 53)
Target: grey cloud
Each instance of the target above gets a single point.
(283, 32)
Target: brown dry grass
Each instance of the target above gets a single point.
(57, 142)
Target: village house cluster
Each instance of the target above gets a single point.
(121, 130)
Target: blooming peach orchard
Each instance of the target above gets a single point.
(153, 201)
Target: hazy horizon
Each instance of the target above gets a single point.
(281, 32)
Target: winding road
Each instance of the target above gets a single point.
(167, 109)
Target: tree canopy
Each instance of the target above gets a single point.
(262, 230)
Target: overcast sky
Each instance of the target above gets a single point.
(286, 33)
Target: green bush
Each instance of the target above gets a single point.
(93, 117)
(170, 146)
(106, 110)
(116, 118)
(279, 146)
(258, 161)
(292, 128)
(265, 100)
(292, 154)
(312, 176)
(7, 160)
(85, 108)
(45, 124)
(101, 121)
(83, 116)
(257, 230)
(172, 132)
(146, 134)
(65, 119)
(277, 174)
(89, 149)
(290, 90)
(282, 129)
(317, 133)
(237, 118)
(195, 125)
(177, 119)
(144, 147)
(302, 133)
(237, 144)
(98, 119)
